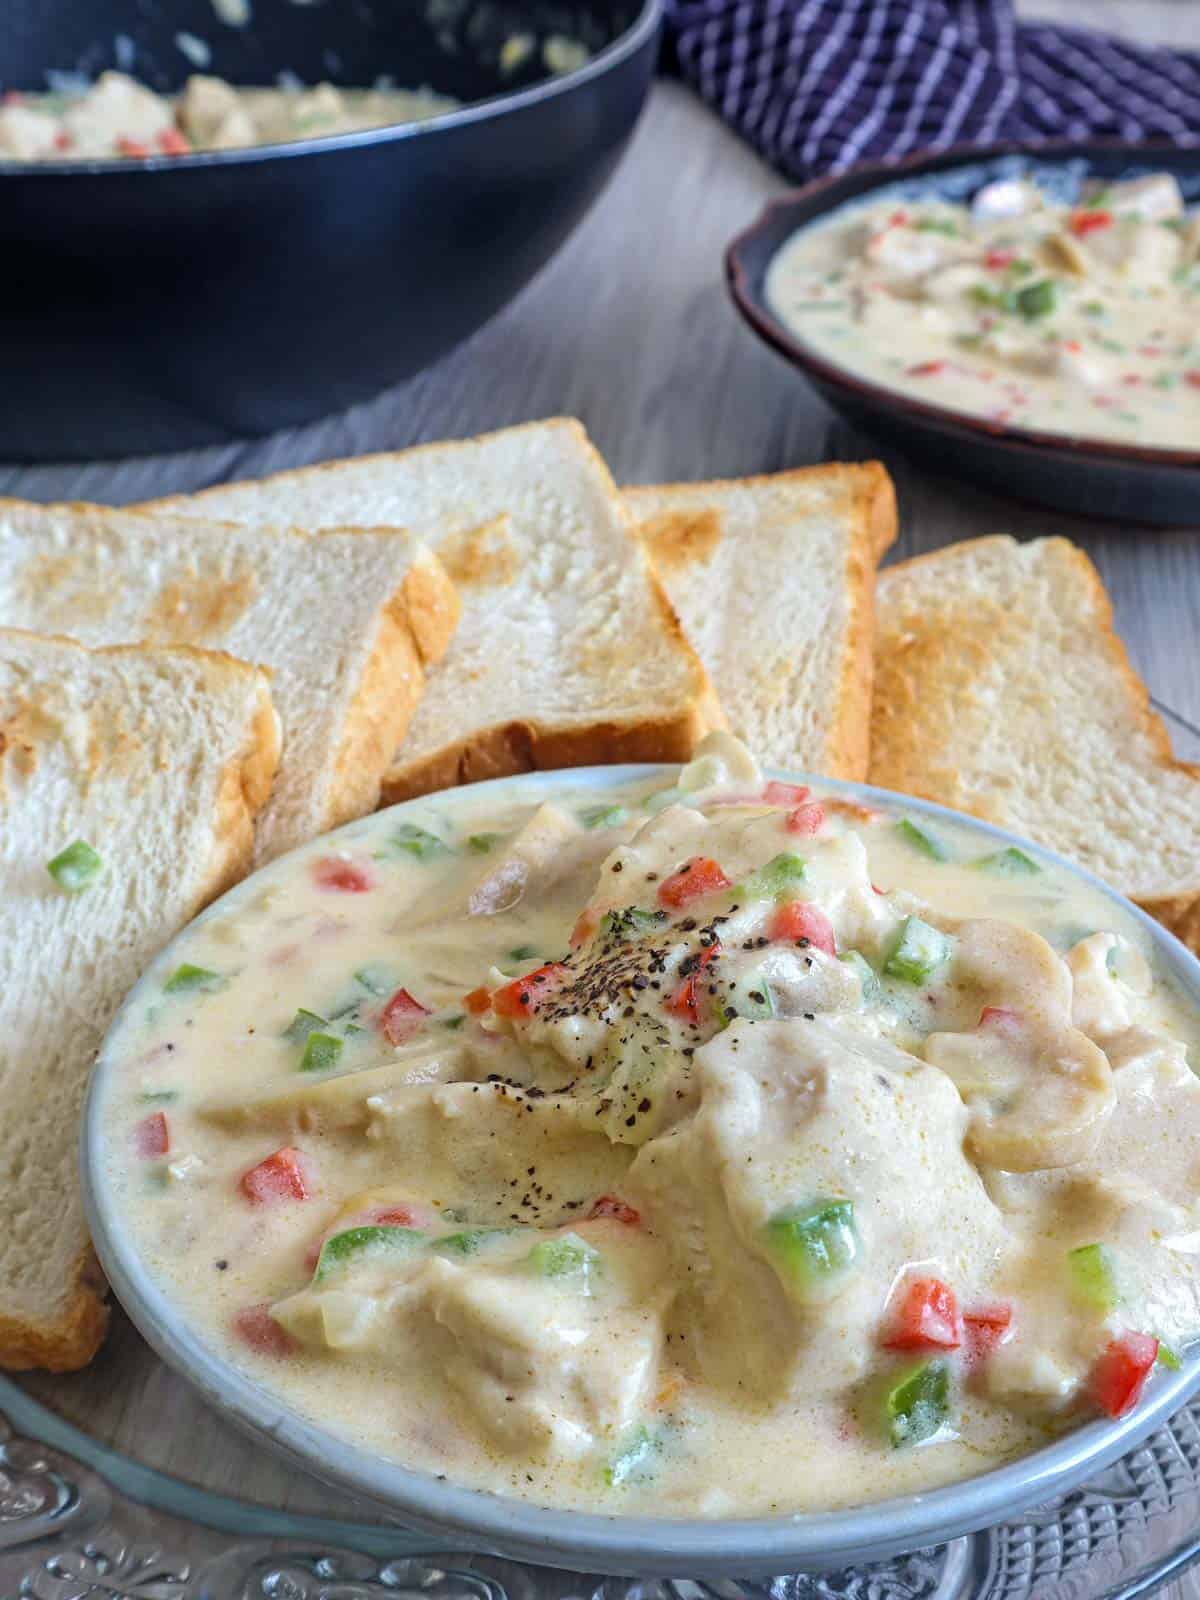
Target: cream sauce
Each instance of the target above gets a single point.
(1081, 320)
(493, 1140)
(117, 116)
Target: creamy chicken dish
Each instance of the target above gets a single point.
(1081, 319)
(731, 1149)
(117, 116)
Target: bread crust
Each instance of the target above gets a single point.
(415, 627)
(70, 1340)
(911, 703)
(873, 527)
(508, 748)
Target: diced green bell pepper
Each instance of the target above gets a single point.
(1169, 1358)
(453, 1022)
(635, 1458)
(749, 997)
(355, 1244)
(868, 978)
(815, 1245)
(923, 843)
(187, 978)
(522, 952)
(468, 1242)
(1037, 299)
(1093, 1275)
(1009, 863)
(918, 953)
(630, 923)
(481, 844)
(567, 1257)
(302, 1024)
(917, 1405)
(376, 979)
(778, 877)
(419, 842)
(603, 816)
(321, 1052)
(74, 868)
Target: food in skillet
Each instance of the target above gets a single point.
(630, 1150)
(1080, 319)
(118, 116)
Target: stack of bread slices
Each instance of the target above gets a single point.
(191, 687)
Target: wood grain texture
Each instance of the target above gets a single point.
(630, 329)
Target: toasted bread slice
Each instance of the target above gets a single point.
(773, 579)
(568, 651)
(1001, 689)
(159, 759)
(347, 623)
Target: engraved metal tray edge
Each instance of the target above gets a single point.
(79, 1522)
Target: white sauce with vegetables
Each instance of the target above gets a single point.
(117, 116)
(1080, 319)
(728, 1150)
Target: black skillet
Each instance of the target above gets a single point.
(157, 305)
(1092, 477)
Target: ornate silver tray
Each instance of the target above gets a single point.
(82, 1520)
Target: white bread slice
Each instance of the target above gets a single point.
(567, 653)
(159, 759)
(1001, 689)
(346, 622)
(773, 579)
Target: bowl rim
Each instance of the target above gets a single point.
(879, 175)
(618, 50)
(594, 1541)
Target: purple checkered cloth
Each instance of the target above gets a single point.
(817, 85)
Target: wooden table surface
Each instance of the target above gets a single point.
(630, 329)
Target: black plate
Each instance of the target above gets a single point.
(178, 302)
(1093, 477)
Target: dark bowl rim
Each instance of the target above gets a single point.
(626, 45)
(879, 174)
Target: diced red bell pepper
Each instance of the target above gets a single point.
(395, 1217)
(132, 147)
(807, 819)
(685, 1002)
(1085, 222)
(63, 140)
(801, 920)
(786, 794)
(478, 1001)
(522, 997)
(926, 1318)
(1003, 1019)
(172, 143)
(609, 1206)
(696, 878)
(281, 1176)
(985, 1328)
(152, 1137)
(1192, 378)
(997, 260)
(1119, 1375)
(898, 219)
(257, 1327)
(331, 872)
(401, 1017)
(926, 369)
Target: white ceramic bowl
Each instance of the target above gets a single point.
(628, 1545)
